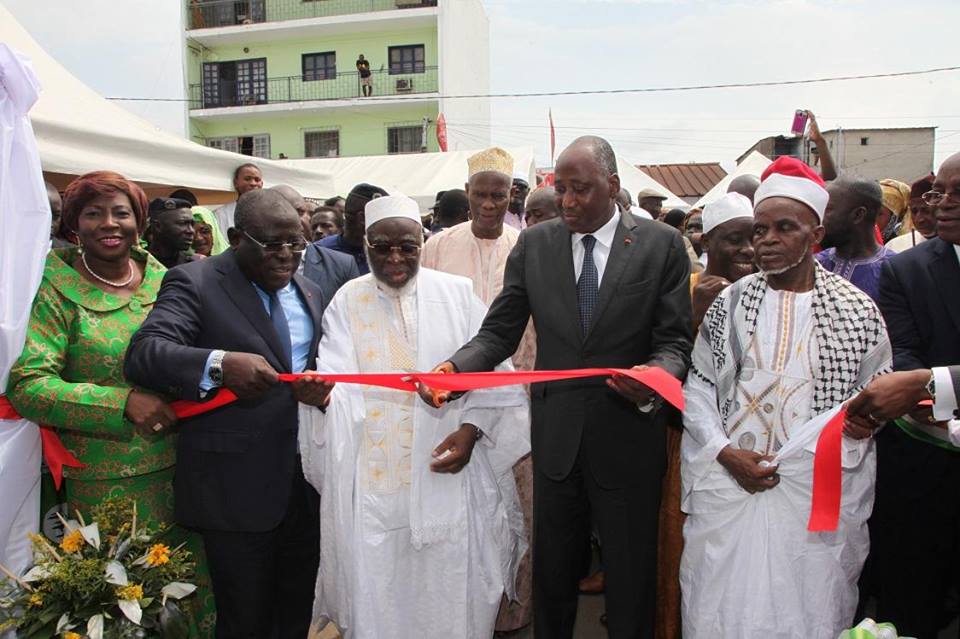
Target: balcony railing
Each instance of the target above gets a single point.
(203, 14)
(231, 93)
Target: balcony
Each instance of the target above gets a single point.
(207, 14)
(223, 93)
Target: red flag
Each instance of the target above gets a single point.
(442, 132)
(553, 137)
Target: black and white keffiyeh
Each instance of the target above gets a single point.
(848, 326)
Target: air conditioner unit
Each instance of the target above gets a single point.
(404, 85)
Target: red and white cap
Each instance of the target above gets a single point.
(791, 178)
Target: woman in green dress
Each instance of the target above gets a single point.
(70, 374)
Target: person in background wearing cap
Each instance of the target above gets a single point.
(728, 234)
(916, 517)
(776, 350)
(170, 233)
(452, 208)
(649, 201)
(519, 191)
(351, 240)
(236, 321)
(922, 222)
(421, 532)
(850, 242)
(603, 289)
(478, 249)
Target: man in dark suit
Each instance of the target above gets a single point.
(235, 321)
(604, 289)
(917, 513)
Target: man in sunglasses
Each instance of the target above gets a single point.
(235, 322)
(421, 529)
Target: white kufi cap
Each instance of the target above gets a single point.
(389, 206)
(731, 206)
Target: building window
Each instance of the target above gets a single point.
(321, 144)
(257, 146)
(319, 66)
(864, 141)
(236, 83)
(407, 59)
(405, 139)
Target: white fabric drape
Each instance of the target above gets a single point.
(24, 242)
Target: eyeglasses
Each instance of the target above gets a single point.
(299, 245)
(935, 198)
(383, 249)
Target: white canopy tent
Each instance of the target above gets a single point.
(635, 180)
(753, 164)
(79, 131)
(416, 175)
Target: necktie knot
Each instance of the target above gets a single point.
(589, 242)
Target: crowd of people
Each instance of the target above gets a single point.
(391, 514)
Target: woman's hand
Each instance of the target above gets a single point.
(149, 414)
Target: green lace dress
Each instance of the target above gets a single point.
(70, 377)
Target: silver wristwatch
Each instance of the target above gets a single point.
(216, 367)
(931, 386)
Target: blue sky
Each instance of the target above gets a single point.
(131, 48)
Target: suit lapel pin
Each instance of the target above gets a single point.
(627, 241)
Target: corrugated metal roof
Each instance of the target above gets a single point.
(686, 180)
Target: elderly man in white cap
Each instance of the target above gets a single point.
(478, 249)
(421, 532)
(776, 352)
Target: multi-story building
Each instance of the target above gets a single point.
(903, 154)
(279, 78)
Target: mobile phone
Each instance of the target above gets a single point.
(799, 122)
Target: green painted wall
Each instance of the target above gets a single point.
(284, 58)
(362, 132)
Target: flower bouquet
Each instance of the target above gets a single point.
(109, 579)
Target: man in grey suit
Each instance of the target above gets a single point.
(604, 289)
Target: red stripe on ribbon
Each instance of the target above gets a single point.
(827, 477)
(54, 452)
(57, 456)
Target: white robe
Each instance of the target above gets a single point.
(24, 242)
(406, 552)
(749, 566)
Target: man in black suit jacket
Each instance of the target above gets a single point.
(917, 513)
(235, 321)
(617, 300)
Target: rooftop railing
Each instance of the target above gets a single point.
(279, 90)
(205, 14)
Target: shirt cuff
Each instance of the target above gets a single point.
(953, 431)
(207, 384)
(945, 402)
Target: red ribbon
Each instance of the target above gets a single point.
(54, 452)
(827, 477)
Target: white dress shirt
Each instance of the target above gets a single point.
(601, 250)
